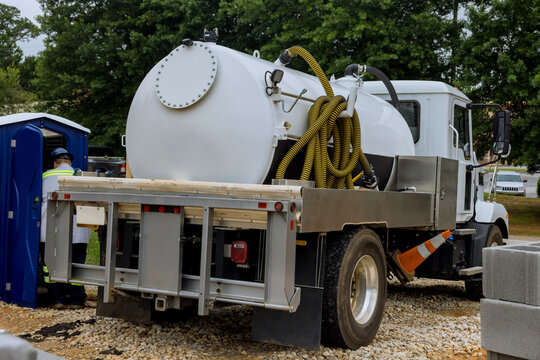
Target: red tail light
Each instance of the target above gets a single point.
(239, 252)
(161, 209)
(123, 168)
(176, 210)
(67, 196)
(54, 195)
(146, 207)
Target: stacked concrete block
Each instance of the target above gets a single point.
(510, 313)
(15, 348)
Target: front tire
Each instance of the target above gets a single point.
(354, 289)
(494, 237)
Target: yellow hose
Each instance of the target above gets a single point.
(324, 124)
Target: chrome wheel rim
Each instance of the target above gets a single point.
(364, 289)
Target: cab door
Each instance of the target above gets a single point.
(462, 151)
(25, 212)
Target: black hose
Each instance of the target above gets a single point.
(357, 69)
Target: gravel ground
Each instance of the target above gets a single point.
(427, 319)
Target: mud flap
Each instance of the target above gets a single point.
(301, 328)
(129, 307)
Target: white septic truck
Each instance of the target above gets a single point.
(261, 185)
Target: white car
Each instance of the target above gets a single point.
(510, 183)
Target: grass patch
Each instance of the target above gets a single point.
(92, 251)
(524, 214)
(492, 169)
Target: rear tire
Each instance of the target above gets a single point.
(354, 289)
(473, 287)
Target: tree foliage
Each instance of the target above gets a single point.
(500, 63)
(11, 91)
(13, 28)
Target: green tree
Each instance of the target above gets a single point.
(405, 39)
(11, 91)
(499, 62)
(13, 28)
(27, 70)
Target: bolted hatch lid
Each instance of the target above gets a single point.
(186, 75)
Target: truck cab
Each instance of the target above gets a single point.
(441, 125)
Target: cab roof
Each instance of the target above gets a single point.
(413, 87)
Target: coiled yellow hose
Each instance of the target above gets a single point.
(324, 124)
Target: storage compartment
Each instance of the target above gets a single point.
(432, 174)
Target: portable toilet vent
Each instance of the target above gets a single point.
(26, 141)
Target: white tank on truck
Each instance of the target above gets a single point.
(205, 112)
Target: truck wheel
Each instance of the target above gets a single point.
(473, 287)
(494, 237)
(354, 289)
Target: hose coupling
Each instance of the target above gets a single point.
(284, 59)
(355, 69)
(369, 180)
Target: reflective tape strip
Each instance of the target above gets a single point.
(57, 172)
(52, 172)
(46, 277)
(438, 241)
(77, 284)
(422, 249)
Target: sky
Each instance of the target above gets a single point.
(29, 9)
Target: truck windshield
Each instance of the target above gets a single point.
(507, 177)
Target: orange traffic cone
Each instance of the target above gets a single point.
(411, 259)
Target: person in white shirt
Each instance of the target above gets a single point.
(62, 295)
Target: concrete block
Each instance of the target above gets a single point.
(510, 328)
(512, 273)
(497, 356)
(15, 348)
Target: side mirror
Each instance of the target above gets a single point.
(524, 180)
(501, 133)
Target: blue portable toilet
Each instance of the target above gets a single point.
(26, 142)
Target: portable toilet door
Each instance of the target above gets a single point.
(24, 215)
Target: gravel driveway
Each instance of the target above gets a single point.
(427, 319)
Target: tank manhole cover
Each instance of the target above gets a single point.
(194, 65)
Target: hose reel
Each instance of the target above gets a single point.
(331, 171)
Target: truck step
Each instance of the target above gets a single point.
(470, 271)
(464, 232)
